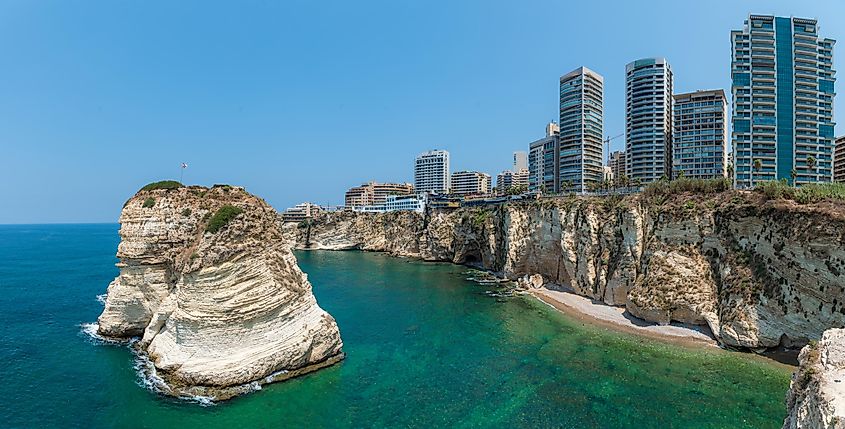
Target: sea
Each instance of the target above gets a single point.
(425, 347)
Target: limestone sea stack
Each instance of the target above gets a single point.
(211, 287)
(816, 397)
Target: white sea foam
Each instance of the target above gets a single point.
(102, 298)
(270, 378)
(90, 330)
(149, 379)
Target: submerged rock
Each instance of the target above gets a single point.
(816, 397)
(213, 290)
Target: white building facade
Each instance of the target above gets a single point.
(416, 203)
(543, 161)
(431, 172)
(470, 183)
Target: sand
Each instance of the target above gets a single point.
(618, 318)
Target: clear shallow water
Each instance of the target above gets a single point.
(425, 348)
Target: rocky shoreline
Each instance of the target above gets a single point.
(759, 274)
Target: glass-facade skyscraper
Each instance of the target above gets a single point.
(648, 119)
(782, 86)
(581, 129)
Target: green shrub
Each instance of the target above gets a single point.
(186, 212)
(775, 189)
(149, 202)
(222, 217)
(806, 194)
(688, 185)
(164, 184)
(478, 218)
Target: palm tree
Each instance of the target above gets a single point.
(758, 165)
(811, 162)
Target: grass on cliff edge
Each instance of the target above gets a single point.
(222, 217)
(688, 185)
(164, 184)
(811, 193)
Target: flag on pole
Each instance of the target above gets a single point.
(182, 171)
(184, 165)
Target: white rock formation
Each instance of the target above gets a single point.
(216, 310)
(816, 398)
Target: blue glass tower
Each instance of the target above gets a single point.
(783, 88)
(581, 129)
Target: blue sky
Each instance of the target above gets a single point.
(298, 100)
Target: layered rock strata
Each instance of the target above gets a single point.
(759, 273)
(218, 310)
(816, 397)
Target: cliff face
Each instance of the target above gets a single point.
(759, 273)
(215, 310)
(816, 397)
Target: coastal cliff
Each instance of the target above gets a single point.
(816, 397)
(760, 273)
(213, 291)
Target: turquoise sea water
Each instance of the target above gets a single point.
(425, 348)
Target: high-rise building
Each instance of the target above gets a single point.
(520, 160)
(782, 86)
(431, 172)
(512, 179)
(543, 162)
(374, 193)
(581, 129)
(839, 160)
(470, 183)
(700, 135)
(648, 119)
(616, 162)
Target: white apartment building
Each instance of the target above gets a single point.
(543, 161)
(431, 172)
(520, 160)
(509, 179)
(300, 212)
(393, 203)
(470, 183)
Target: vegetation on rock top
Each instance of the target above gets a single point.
(687, 185)
(148, 203)
(811, 193)
(222, 217)
(164, 184)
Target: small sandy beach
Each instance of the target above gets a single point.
(585, 309)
